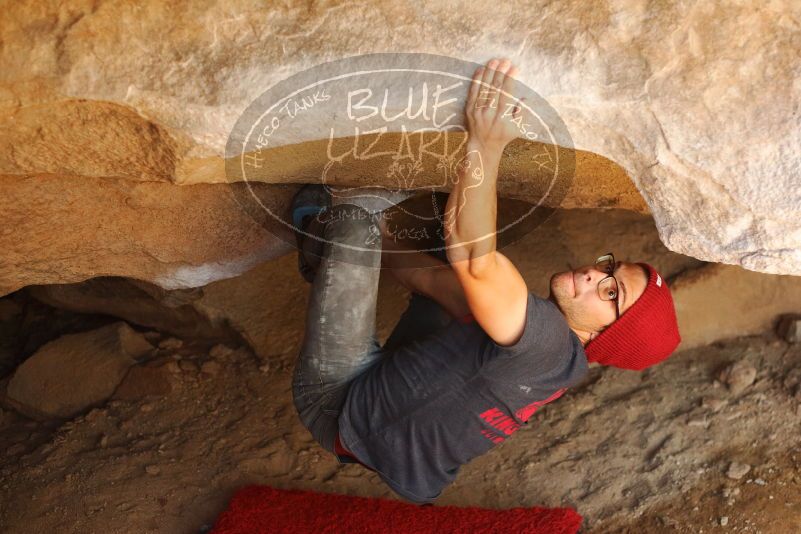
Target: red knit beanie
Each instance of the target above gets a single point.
(644, 335)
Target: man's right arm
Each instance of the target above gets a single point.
(495, 291)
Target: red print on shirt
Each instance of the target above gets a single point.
(507, 425)
(527, 411)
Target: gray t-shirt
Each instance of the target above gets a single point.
(436, 403)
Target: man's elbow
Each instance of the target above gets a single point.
(476, 267)
(458, 254)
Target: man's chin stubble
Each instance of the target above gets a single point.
(552, 296)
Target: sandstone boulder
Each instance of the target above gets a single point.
(154, 379)
(76, 371)
(136, 302)
(106, 107)
(64, 229)
(789, 328)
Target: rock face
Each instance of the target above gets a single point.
(790, 328)
(136, 302)
(724, 301)
(76, 371)
(109, 110)
(148, 380)
(60, 229)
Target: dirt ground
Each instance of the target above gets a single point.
(632, 452)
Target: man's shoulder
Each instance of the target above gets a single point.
(548, 344)
(544, 326)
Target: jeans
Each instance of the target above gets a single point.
(339, 342)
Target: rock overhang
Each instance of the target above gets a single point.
(709, 140)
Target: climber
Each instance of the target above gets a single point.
(475, 354)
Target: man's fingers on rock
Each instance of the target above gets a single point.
(507, 95)
(486, 80)
(500, 74)
(475, 86)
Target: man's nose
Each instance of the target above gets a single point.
(591, 274)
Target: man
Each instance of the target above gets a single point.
(475, 354)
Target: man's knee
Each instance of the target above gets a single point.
(352, 236)
(351, 225)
